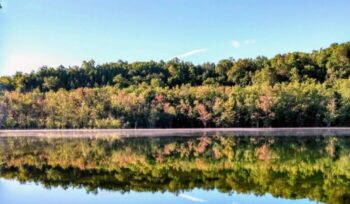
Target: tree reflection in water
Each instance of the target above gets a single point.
(317, 168)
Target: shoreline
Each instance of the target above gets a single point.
(319, 131)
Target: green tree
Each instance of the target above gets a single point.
(242, 72)
(51, 83)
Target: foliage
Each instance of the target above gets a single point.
(295, 90)
(296, 104)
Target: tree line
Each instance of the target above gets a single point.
(293, 89)
(325, 65)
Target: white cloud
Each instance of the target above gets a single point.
(190, 53)
(250, 41)
(191, 198)
(236, 44)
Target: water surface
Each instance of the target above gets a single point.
(202, 168)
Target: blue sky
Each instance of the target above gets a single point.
(52, 32)
(30, 193)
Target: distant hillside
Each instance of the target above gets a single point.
(289, 90)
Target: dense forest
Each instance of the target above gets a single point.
(293, 90)
(316, 168)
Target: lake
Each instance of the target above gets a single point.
(175, 166)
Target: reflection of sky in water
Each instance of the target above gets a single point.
(12, 192)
